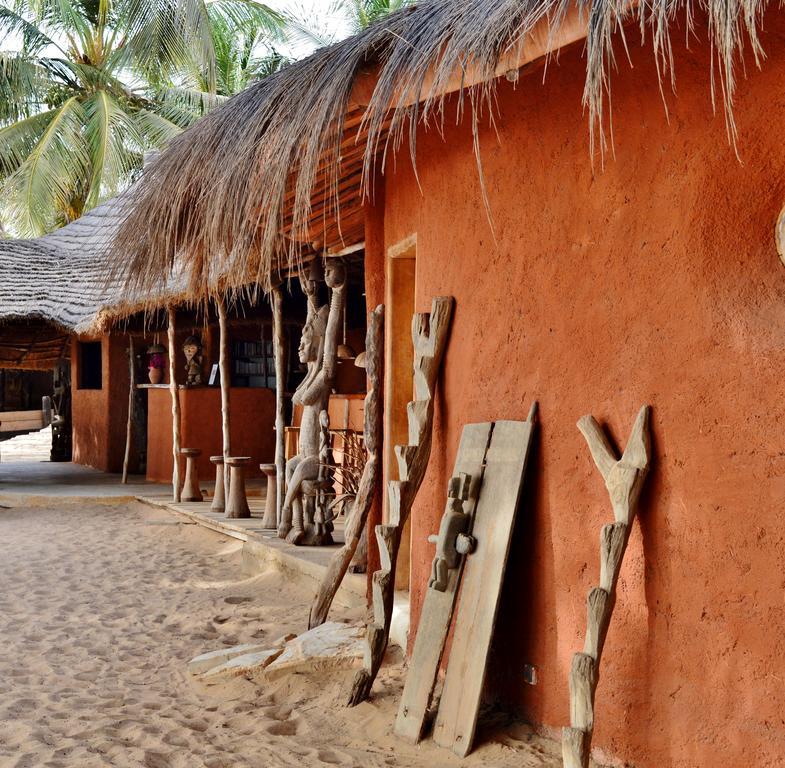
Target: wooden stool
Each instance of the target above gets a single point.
(191, 490)
(219, 498)
(237, 503)
(271, 503)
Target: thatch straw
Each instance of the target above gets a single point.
(222, 194)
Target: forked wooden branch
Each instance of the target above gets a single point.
(429, 334)
(358, 516)
(624, 479)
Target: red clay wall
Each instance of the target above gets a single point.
(655, 280)
(252, 433)
(99, 415)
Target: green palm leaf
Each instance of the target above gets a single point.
(114, 143)
(43, 186)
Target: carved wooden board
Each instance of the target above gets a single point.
(483, 574)
(438, 606)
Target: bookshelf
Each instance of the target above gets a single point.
(253, 364)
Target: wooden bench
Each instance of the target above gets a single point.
(13, 423)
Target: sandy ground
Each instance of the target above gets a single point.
(34, 446)
(102, 606)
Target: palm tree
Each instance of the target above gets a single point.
(88, 91)
(243, 54)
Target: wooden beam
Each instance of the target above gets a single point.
(170, 331)
(131, 388)
(279, 341)
(542, 40)
(223, 367)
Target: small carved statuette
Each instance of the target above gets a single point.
(192, 349)
(452, 541)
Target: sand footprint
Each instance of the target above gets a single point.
(156, 760)
(233, 600)
(281, 728)
(332, 758)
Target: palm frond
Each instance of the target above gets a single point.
(18, 139)
(22, 83)
(155, 129)
(34, 39)
(45, 182)
(114, 143)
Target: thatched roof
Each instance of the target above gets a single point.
(59, 284)
(248, 189)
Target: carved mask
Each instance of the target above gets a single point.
(334, 273)
(191, 348)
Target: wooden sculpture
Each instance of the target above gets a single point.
(192, 349)
(429, 333)
(318, 346)
(358, 515)
(624, 479)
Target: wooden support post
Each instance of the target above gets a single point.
(129, 426)
(429, 334)
(223, 366)
(624, 479)
(279, 342)
(175, 405)
(358, 516)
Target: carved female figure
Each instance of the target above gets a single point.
(318, 346)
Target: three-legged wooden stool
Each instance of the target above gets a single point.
(219, 496)
(191, 490)
(237, 503)
(271, 503)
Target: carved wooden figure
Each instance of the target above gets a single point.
(192, 349)
(429, 333)
(624, 479)
(452, 541)
(318, 347)
(358, 515)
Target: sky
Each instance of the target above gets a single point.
(320, 14)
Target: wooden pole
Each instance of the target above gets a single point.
(223, 366)
(358, 516)
(131, 388)
(280, 387)
(175, 407)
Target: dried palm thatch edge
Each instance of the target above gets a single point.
(219, 198)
